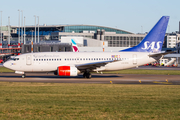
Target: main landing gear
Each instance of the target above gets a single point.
(87, 74)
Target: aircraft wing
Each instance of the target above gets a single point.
(94, 65)
(158, 54)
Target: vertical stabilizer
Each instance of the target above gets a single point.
(74, 46)
(153, 41)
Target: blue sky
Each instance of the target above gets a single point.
(127, 15)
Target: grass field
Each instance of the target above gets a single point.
(88, 101)
(3, 69)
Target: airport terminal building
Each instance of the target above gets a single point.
(114, 37)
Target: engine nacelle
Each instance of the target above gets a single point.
(67, 71)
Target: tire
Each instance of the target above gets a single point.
(23, 75)
(88, 75)
(84, 75)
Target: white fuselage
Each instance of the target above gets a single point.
(49, 61)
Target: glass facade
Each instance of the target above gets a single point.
(122, 41)
(42, 31)
(70, 29)
(80, 29)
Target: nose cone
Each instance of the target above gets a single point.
(6, 64)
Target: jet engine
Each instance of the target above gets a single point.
(66, 71)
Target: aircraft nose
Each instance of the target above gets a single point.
(6, 64)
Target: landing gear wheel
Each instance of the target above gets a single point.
(88, 75)
(84, 75)
(23, 75)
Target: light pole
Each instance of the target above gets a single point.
(32, 43)
(38, 28)
(168, 28)
(19, 31)
(129, 42)
(35, 29)
(22, 27)
(24, 31)
(1, 31)
(141, 29)
(9, 32)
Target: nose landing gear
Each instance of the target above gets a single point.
(23, 75)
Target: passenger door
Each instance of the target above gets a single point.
(28, 60)
(134, 59)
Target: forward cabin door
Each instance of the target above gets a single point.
(134, 59)
(28, 60)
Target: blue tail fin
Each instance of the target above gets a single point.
(154, 39)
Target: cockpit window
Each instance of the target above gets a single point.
(14, 59)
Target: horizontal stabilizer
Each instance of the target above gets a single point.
(160, 54)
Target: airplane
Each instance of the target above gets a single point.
(73, 63)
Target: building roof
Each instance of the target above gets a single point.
(76, 28)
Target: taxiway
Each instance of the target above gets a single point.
(96, 78)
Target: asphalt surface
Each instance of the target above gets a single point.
(96, 78)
